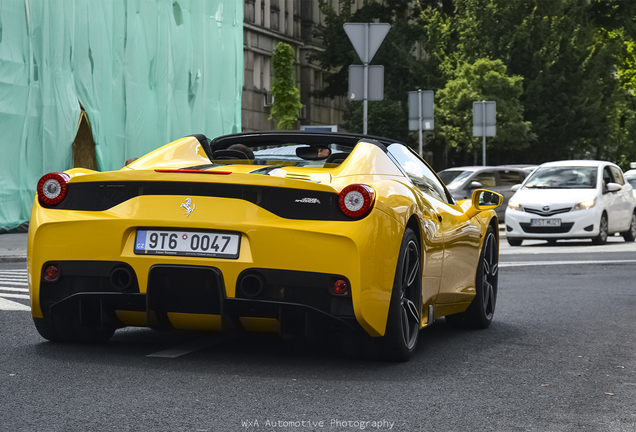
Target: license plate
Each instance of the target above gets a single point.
(545, 222)
(208, 244)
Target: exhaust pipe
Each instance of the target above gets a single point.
(121, 278)
(252, 285)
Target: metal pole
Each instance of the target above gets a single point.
(484, 133)
(365, 61)
(419, 110)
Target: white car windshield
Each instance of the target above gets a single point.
(572, 177)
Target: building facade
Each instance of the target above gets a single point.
(265, 24)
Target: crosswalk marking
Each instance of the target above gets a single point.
(11, 305)
(14, 289)
(12, 284)
(22, 296)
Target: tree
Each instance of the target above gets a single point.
(483, 80)
(405, 69)
(286, 94)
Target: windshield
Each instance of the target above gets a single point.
(573, 177)
(454, 177)
(631, 181)
(302, 155)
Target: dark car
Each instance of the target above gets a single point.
(462, 181)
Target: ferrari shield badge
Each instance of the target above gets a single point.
(187, 208)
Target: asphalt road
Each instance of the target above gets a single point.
(560, 356)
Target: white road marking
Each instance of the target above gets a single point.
(9, 305)
(22, 296)
(191, 347)
(545, 263)
(3, 288)
(6, 282)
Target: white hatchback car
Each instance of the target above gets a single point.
(572, 199)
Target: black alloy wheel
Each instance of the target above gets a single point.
(403, 326)
(490, 273)
(603, 232)
(482, 309)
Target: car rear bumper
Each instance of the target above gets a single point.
(363, 251)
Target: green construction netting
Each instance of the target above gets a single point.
(146, 71)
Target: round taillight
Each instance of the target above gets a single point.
(51, 273)
(356, 200)
(52, 188)
(340, 287)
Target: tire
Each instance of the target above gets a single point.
(47, 330)
(603, 233)
(66, 328)
(403, 323)
(482, 309)
(630, 235)
(514, 241)
(91, 335)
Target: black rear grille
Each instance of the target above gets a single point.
(185, 289)
(546, 213)
(564, 228)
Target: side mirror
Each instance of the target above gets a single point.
(613, 187)
(475, 185)
(483, 200)
(515, 188)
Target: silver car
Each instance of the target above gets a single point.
(462, 181)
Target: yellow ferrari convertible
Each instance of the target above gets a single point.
(294, 233)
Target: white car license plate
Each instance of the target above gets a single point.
(545, 222)
(209, 244)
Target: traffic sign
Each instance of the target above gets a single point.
(427, 106)
(489, 121)
(356, 82)
(361, 33)
(484, 122)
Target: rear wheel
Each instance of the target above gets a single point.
(482, 309)
(403, 324)
(603, 232)
(630, 235)
(66, 327)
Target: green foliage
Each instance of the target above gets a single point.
(563, 73)
(483, 80)
(286, 94)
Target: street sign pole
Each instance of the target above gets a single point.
(484, 123)
(366, 39)
(421, 113)
(365, 108)
(483, 156)
(419, 108)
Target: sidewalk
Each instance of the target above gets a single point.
(13, 247)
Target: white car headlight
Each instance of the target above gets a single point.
(584, 205)
(515, 205)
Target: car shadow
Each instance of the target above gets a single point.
(440, 349)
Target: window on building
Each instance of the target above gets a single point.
(258, 59)
(274, 21)
(248, 10)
